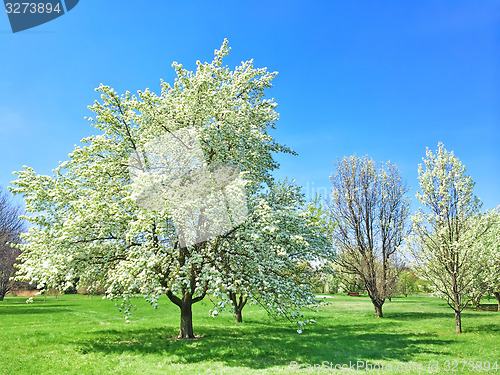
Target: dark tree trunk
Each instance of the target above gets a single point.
(186, 331)
(4, 288)
(497, 295)
(378, 311)
(185, 304)
(458, 322)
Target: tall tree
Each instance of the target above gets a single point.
(11, 226)
(446, 246)
(369, 207)
(144, 206)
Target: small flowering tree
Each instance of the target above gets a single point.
(266, 261)
(446, 236)
(155, 202)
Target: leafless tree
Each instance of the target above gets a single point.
(10, 227)
(370, 208)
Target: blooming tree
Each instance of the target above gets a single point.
(446, 246)
(369, 207)
(267, 259)
(95, 220)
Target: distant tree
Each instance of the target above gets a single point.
(369, 208)
(394, 270)
(407, 283)
(325, 279)
(347, 281)
(10, 227)
(446, 249)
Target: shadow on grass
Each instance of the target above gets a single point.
(485, 328)
(418, 315)
(486, 307)
(258, 346)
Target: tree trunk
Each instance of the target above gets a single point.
(497, 295)
(187, 300)
(3, 291)
(456, 300)
(377, 301)
(186, 331)
(238, 318)
(185, 304)
(458, 321)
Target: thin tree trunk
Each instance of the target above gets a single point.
(456, 300)
(458, 321)
(497, 295)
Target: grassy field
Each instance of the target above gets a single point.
(76, 334)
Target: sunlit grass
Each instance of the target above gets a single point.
(76, 334)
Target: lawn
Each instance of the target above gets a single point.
(76, 334)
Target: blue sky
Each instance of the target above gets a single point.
(384, 79)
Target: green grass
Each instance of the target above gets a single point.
(76, 334)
